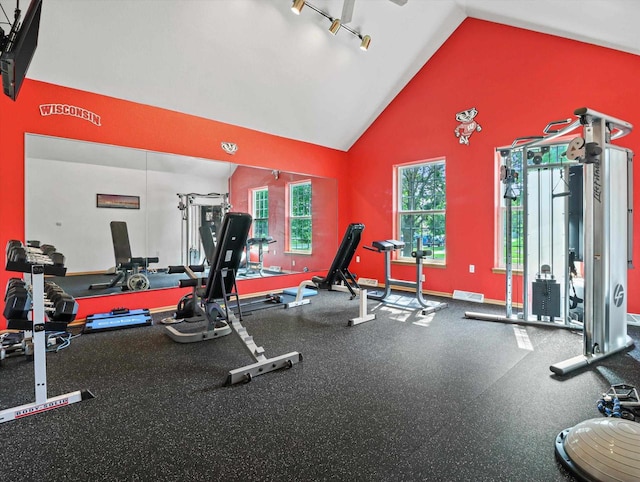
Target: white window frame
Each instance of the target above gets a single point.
(434, 241)
(254, 208)
(291, 217)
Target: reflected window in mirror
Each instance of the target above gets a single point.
(300, 223)
(260, 212)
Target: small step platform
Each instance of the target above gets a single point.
(117, 319)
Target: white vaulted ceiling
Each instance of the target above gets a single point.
(254, 64)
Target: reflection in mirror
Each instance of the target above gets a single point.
(167, 207)
(295, 217)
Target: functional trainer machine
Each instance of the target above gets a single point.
(605, 242)
(221, 288)
(200, 211)
(339, 278)
(387, 248)
(608, 236)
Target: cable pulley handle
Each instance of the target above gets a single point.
(561, 122)
(523, 140)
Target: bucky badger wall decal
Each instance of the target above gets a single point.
(467, 125)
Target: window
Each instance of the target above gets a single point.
(510, 190)
(300, 217)
(260, 202)
(548, 154)
(421, 201)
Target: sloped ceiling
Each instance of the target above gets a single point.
(254, 64)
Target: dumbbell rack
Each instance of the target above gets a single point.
(38, 328)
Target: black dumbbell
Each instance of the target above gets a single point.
(48, 249)
(17, 254)
(14, 243)
(50, 288)
(16, 290)
(17, 306)
(12, 283)
(66, 309)
(57, 258)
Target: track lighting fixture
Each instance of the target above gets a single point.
(336, 24)
(297, 6)
(366, 40)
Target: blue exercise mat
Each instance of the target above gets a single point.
(294, 292)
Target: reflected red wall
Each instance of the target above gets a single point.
(324, 215)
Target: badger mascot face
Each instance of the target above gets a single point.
(467, 125)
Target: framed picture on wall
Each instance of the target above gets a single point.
(117, 201)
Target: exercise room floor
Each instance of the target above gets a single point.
(403, 397)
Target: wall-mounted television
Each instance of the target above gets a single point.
(21, 45)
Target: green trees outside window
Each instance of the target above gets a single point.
(422, 206)
(552, 154)
(260, 213)
(300, 225)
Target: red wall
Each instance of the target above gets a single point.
(324, 218)
(140, 126)
(519, 81)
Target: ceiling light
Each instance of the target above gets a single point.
(366, 40)
(335, 26)
(297, 6)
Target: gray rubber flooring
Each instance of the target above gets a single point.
(403, 397)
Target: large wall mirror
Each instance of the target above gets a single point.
(171, 206)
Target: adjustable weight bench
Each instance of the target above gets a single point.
(339, 278)
(252, 267)
(221, 288)
(128, 274)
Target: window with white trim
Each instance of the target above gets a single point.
(550, 154)
(260, 208)
(510, 191)
(421, 206)
(300, 223)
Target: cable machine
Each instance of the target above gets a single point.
(546, 265)
(198, 210)
(557, 230)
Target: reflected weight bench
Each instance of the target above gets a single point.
(220, 289)
(256, 266)
(339, 278)
(128, 269)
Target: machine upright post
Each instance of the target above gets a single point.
(630, 209)
(508, 235)
(605, 241)
(592, 258)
